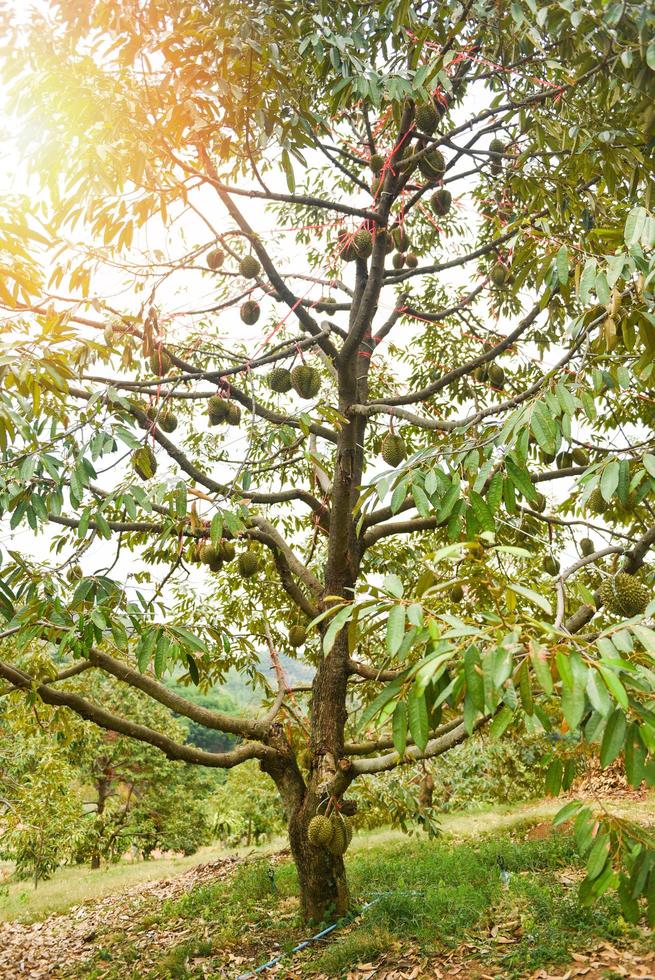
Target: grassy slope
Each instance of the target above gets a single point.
(435, 896)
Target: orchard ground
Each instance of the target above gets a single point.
(496, 895)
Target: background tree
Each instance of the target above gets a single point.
(73, 792)
(457, 278)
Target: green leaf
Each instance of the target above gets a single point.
(393, 585)
(399, 728)
(614, 685)
(568, 812)
(473, 675)
(395, 629)
(418, 718)
(609, 480)
(562, 264)
(613, 737)
(482, 513)
(501, 722)
(598, 856)
(534, 597)
(521, 479)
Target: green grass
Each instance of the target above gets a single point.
(432, 894)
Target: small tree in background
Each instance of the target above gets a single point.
(75, 793)
(421, 460)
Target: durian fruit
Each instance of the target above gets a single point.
(376, 163)
(319, 831)
(551, 565)
(167, 422)
(400, 238)
(389, 243)
(346, 247)
(499, 275)
(624, 595)
(363, 243)
(432, 166)
(398, 260)
(496, 376)
(160, 362)
(215, 259)
(248, 564)
(394, 450)
(580, 456)
(497, 151)
(227, 550)
(339, 840)
(208, 553)
(376, 184)
(564, 460)
(249, 267)
(306, 381)
(441, 202)
(456, 593)
(217, 409)
(233, 414)
(328, 301)
(297, 636)
(587, 546)
(74, 574)
(539, 503)
(250, 311)
(427, 118)
(279, 379)
(481, 373)
(597, 502)
(411, 260)
(144, 462)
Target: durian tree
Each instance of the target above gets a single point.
(338, 320)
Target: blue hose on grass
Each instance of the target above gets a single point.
(319, 935)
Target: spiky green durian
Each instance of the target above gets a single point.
(587, 546)
(427, 118)
(497, 151)
(456, 593)
(432, 165)
(551, 565)
(376, 163)
(248, 564)
(227, 550)
(249, 312)
(597, 502)
(580, 456)
(398, 260)
(233, 414)
(249, 267)
(167, 422)
(499, 275)
(306, 381)
(411, 260)
(160, 362)
(339, 840)
(279, 379)
(215, 259)
(217, 409)
(400, 238)
(297, 636)
(319, 831)
(363, 243)
(394, 450)
(496, 375)
(441, 202)
(624, 595)
(144, 462)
